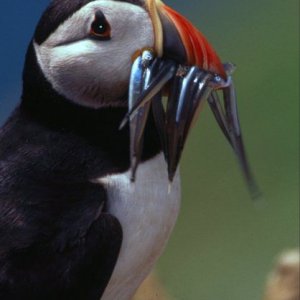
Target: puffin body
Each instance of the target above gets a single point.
(74, 207)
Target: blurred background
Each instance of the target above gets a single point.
(224, 244)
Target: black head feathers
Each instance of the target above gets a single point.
(60, 10)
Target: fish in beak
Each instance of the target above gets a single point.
(182, 69)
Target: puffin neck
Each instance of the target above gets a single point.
(48, 108)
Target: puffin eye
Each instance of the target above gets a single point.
(100, 28)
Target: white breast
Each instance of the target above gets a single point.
(147, 211)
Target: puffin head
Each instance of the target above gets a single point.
(86, 48)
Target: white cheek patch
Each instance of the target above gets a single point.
(92, 72)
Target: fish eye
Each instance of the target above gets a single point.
(100, 28)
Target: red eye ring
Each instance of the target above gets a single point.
(100, 28)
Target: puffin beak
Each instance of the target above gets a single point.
(184, 69)
(176, 38)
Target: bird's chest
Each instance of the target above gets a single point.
(147, 211)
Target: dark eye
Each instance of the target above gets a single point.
(100, 28)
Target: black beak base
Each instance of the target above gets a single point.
(188, 88)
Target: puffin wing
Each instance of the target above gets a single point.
(56, 240)
(76, 272)
(78, 269)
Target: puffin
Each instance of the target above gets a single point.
(89, 180)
